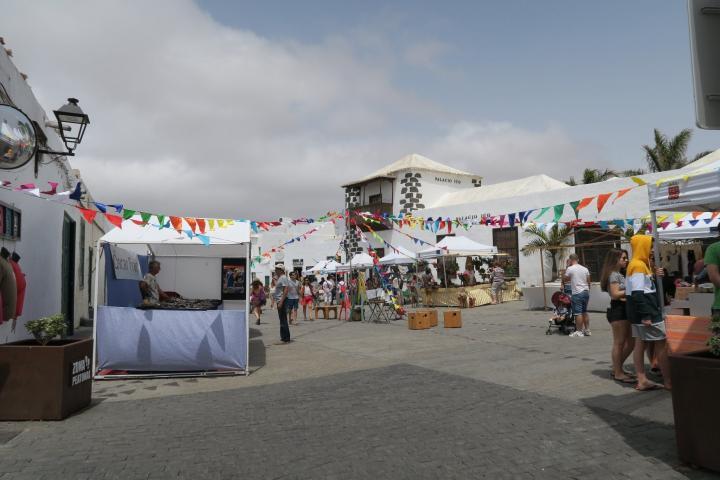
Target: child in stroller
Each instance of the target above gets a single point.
(563, 318)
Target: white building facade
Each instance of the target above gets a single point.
(56, 245)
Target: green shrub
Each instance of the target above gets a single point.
(714, 342)
(47, 328)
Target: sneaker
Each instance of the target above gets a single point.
(577, 333)
(587, 333)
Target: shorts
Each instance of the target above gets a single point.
(291, 304)
(496, 288)
(307, 300)
(580, 302)
(649, 333)
(617, 311)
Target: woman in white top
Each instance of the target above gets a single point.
(307, 298)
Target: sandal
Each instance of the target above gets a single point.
(652, 386)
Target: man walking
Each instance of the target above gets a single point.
(280, 295)
(579, 279)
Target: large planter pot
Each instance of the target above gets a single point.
(695, 393)
(45, 382)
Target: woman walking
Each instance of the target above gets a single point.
(257, 299)
(612, 281)
(343, 300)
(307, 298)
(497, 281)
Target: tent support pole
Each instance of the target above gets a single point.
(445, 272)
(542, 276)
(96, 295)
(248, 275)
(656, 252)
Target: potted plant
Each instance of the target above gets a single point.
(695, 392)
(46, 378)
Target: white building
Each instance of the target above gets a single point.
(55, 244)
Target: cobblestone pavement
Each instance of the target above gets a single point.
(495, 399)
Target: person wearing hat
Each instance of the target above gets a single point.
(280, 295)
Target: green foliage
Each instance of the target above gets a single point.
(668, 153)
(714, 341)
(551, 241)
(47, 328)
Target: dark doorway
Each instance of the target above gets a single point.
(68, 273)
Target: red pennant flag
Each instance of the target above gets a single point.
(696, 214)
(114, 219)
(622, 193)
(87, 213)
(201, 224)
(138, 222)
(53, 189)
(191, 221)
(584, 203)
(176, 223)
(714, 215)
(602, 200)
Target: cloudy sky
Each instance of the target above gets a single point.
(262, 109)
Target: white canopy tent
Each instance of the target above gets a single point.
(457, 247)
(358, 261)
(403, 256)
(224, 334)
(319, 266)
(694, 188)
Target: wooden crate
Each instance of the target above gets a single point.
(452, 318)
(433, 314)
(419, 320)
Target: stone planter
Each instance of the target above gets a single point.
(45, 382)
(696, 389)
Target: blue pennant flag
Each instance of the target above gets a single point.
(101, 206)
(694, 222)
(708, 220)
(603, 225)
(204, 239)
(189, 233)
(254, 226)
(77, 193)
(511, 219)
(118, 207)
(619, 223)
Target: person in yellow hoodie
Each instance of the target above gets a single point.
(645, 312)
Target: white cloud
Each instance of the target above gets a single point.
(196, 118)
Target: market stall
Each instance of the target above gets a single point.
(402, 256)
(179, 336)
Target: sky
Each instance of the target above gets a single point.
(262, 109)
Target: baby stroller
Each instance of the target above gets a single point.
(563, 318)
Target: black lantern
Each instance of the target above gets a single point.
(72, 122)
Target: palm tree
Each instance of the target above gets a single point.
(552, 242)
(669, 154)
(593, 175)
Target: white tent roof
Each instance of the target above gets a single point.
(402, 257)
(521, 186)
(412, 162)
(695, 187)
(167, 241)
(319, 266)
(457, 246)
(361, 260)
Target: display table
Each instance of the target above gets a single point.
(448, 297)
(170, 340)
(533, 296)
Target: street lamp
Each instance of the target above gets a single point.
(72, 122)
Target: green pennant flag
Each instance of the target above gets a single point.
(559, 209)
(145, 216)
(574, 206)
(542, 212)
(128, 214)
(161, 220)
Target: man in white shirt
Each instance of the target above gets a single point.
(578, 277)
(149, 285)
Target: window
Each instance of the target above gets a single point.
(593, 256)
(81, 262)
(377, 198)
(10, 222)
(506, 241)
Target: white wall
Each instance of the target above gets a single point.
(433, 186)
(191, 277)
(41, 230)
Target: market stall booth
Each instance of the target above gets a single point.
(695, 375)
(402, 256)
(206, 333)
(454, 247)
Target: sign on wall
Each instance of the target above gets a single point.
(233, 278)
(125, 264)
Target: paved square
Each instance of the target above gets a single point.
(495, 399)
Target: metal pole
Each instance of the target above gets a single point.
(445, 272)
(542, 275)
(656, 252)
(96, 281)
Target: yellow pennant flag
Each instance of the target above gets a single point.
(221, 223)
(230, 221)
(661, 218)
(211, 224)
(678, 216)
(638, 180)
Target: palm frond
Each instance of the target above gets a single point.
(701, 155)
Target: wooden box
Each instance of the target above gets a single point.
(433, 315)
(452, 318)
(419, 320)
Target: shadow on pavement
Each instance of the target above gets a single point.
(650, 439)
(256, 355)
